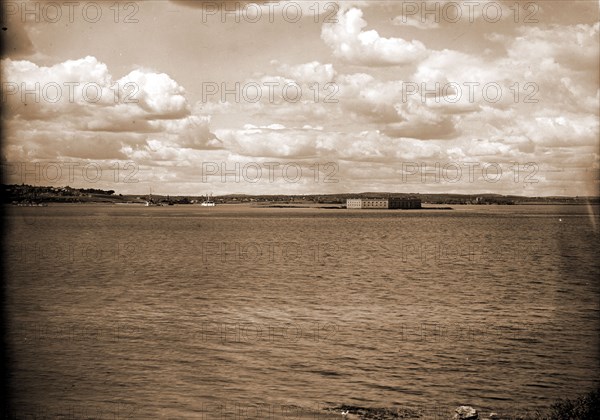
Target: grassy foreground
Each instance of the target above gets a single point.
(582, 408)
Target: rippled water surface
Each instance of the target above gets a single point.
(179, 312)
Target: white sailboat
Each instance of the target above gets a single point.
(208, 202)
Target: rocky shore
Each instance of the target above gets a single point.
(585, 407)
(351, 412)
(463, 412)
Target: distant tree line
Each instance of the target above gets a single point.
(33, 193)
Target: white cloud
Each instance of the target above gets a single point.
(308, 73)
(571, 46)
(79, 109)
(157, 94)
(349, 42)
(372, 127)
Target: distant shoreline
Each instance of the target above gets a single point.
(33, 194)
(276, 205)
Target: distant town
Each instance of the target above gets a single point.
(38, 195)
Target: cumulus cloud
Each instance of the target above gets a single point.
(305, 143)
(84, 88)
(397, 113)
(77, 106)
(564, 130)
(571, 46)
(157, 94)
(271, 141)
(432, 126)
(308, 73)
(373, 123)
(191, 132)
(350, 42)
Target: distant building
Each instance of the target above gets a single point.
(354, 203)
(404, 203)
(384, 203)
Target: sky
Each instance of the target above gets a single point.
(303, 97)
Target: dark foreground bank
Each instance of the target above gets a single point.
(585, 407)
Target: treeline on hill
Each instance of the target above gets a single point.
(43, 194)
(37, 194)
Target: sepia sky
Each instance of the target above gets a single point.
(515, 110)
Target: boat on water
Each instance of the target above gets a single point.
(150, 202)
(208, 202)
